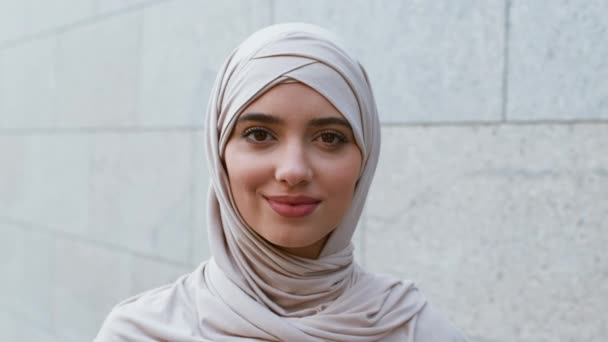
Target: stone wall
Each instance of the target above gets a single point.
(491, 193)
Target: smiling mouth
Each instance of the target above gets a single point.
(293, 206)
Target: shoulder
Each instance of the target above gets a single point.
(433, 326)
(136, 317)
(126, 321)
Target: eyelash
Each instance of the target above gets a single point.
(341, 138)
(247, 134)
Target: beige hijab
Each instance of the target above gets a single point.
(251, 290)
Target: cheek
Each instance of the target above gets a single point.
(341, 175)
(245, 171)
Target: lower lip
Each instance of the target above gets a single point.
(288, 210)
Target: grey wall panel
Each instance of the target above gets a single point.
(13, 328)
(428, 61)
(184, 44)
(97, 73)
(27, 273)
(502, 226)
(127, 190)
(103, 182)
(28, 84)
(45, 181)
(22, 19)
(557, 60)
(140, 193)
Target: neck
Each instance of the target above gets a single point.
(309, 252)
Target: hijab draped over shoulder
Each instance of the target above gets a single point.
(249, 289)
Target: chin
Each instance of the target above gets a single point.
(289, 241)
(305, 246)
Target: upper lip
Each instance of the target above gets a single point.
(293, 200)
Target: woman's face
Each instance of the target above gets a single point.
(292, 163)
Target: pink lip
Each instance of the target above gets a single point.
(293, 206)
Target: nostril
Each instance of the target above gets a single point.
(294, 171)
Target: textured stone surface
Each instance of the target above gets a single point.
(184, 44)
(45, 15)
(58, 289)
(22, 18)
(140, 192)
(359, 242)
(428, 61)
(89, 280)
(93, 279)
(147, 274)
(200, 245)
(97, 73)
(2, 116)
(105, 6)
(558, 57)
(12, 20)
(128, 190)
(15, 328)
(503, 227)
(45, 181)
(27, 270)
(27, 84)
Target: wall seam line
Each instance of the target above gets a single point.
(99, 130)
(506, 60)
(498, 123)
(194, 178)
(54, 233)
(44, 33)
(196, 129)
(49, 329)
(272, 11)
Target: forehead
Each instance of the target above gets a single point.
(293, 102)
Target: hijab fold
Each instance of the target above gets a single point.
(329, 298)
(250, 289)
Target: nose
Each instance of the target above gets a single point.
(293, 166)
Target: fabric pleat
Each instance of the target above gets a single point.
(329, 298)
(251, 290)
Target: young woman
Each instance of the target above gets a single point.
(293, 140)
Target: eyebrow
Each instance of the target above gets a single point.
(260, 117)
(269, 119)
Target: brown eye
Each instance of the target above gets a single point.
(329, 138)
(257, 135)
(332, 138)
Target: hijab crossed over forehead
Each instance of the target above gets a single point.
(329, 297)
(306, 54)
(251, 290)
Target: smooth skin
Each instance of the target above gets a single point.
(292, 142)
